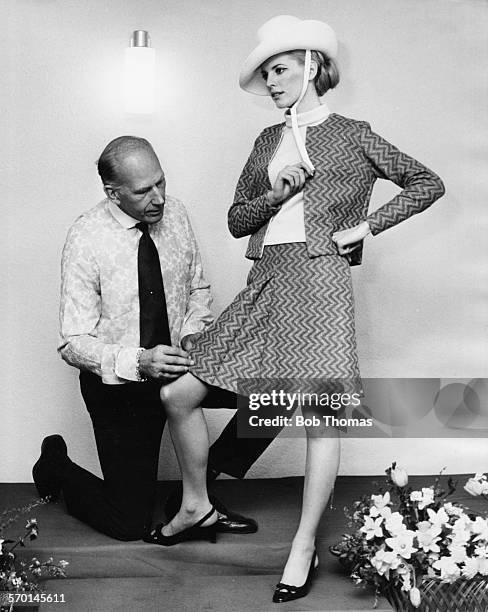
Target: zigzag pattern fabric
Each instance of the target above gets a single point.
(349, 157)
(294, 320)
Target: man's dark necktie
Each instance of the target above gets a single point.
(153, 318)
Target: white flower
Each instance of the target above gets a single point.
(384, 512)
(416, 496)
(402, 543)
(481, 551)
(461, 530)
(480, 528)
(473, 487)
(460, 539)
(384, 561)
(424, 497)
(452, 510)
(483, 566)
(414, 597)
(427, 536)
(394, 523)
(439, 518)
(427, 497)
(449, 570)
(399, 476)
(380, 501)
(372, 527)
(471, 567)
(458, 552)
(477, 485)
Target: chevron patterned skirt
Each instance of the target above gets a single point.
(294, 320)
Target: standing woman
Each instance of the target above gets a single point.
(303, 198)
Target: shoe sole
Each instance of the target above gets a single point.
(240, 530)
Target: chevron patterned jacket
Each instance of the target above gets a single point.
(348, 158)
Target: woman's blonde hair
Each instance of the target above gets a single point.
(327, 76)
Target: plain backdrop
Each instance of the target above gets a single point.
(415, 69)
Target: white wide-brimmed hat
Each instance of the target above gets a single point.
(281, 34)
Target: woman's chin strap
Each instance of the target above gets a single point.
(293, 113)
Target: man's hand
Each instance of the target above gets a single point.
(289, 181)
(350, 239)
(188, 342)
(164, 362)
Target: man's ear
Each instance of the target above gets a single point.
(111, 193)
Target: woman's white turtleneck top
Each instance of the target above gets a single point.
(288, 225)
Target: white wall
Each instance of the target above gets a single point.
(416, 69)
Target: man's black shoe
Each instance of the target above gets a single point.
(228, 522)
(231, 522)
(48, 471)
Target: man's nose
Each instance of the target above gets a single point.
(158, 194)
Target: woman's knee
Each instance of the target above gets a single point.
(169, 400)
(177, 402)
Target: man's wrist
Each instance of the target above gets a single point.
(139, 375)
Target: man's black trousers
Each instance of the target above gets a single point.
(128, 422)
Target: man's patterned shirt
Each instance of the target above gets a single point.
(99, 312)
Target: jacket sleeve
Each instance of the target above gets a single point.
(420, 186)
(249, 212)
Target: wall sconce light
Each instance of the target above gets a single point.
(140, 61)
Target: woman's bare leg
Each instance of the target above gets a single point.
(321, 467)
(181, 400)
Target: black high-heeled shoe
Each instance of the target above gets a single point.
(195, 532)
(287, 592)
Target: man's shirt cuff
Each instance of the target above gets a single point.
(126, 363)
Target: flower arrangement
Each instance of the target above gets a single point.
(17, 575)
(404, 536)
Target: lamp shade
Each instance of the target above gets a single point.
(140, 62)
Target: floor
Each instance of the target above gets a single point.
(237, 573)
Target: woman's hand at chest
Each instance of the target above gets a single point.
(350, 239)
(289, 182)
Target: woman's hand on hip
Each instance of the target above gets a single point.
(289, 181)
(350, 239)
